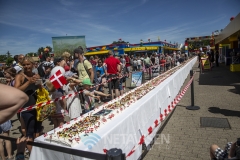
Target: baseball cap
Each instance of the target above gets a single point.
(78, 50)
(87, 81)
(56, 60)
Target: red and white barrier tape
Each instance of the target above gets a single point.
(71, 95)
(63, 97)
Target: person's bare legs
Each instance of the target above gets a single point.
(116, 92)
(55, 122)
(23, 127)
(2, 150)
(121, 92)
(29, 147)
(8, 145)
(212, 150)
(60, 121)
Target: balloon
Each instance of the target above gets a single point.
(55, 69)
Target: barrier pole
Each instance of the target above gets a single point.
(192, 107)
(115, 154)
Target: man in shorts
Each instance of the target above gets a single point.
(5, 131)
(113, 66)
(231, 150)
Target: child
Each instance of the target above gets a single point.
(58, 117)
(73, 102)
(99, 81)
(90, 95)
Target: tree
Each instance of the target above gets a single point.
(40, 50)
(31, 54)
(50, 48)
(8, 54)
(3, 58)
(9, 61)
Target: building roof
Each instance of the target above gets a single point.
(230, 32)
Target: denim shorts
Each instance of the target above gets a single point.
(6, 126)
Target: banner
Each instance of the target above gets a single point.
(140, 48)
(67, 44)
(136, 79)
(205, 63)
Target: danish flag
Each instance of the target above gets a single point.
(58, 80)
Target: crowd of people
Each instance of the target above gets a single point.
(81, 73)
(33, 79)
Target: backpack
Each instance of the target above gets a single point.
(40, 70)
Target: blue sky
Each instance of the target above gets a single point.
(26, 25)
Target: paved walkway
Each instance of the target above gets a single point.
(217, 92)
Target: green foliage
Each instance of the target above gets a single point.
(3, 58)
(40, 50)
(50, 48)
(31, 54)
(9, 61)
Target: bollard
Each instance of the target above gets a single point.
(115, 154)
(192, 107)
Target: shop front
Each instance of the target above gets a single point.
(228, 44)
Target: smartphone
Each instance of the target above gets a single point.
(38, 82)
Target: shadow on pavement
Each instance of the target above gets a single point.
(236, 90)
(220, 76)
(224, 112)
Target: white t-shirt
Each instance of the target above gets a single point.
(135, 63)
(139, 62)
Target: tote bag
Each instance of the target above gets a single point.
(43, 112)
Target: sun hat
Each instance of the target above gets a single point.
(87, 81)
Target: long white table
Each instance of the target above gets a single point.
(123, 130)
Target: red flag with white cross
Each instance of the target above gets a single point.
(58, 80)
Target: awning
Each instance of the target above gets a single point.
(95, 53)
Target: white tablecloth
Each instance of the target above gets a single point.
(123, 130)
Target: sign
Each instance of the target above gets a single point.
(205, 63)
(136, 79)
(140, 48)
(155, 71)
(67, 44)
